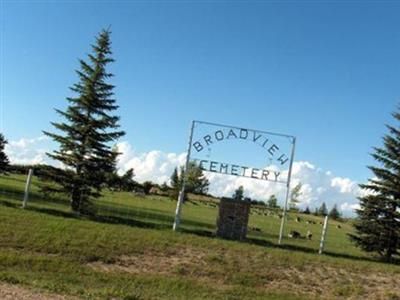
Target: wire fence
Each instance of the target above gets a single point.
(199, 216)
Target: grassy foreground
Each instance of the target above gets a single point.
(47, 248)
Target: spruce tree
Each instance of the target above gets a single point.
(239, 194)
(378, 223)
(272, 202)
(88, 130)
(175, 184)
(323, 211)
(334, 213)
(4, 162)
(196, 182)
(127, 182)
(294, 196)
(175, 179)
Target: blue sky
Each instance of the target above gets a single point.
(328, 73)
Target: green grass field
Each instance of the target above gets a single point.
(130, 252)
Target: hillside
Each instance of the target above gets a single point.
(130, 252)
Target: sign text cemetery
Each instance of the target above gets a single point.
(234, 151)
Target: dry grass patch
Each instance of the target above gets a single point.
(13, 292)
(223, 270)
(338, 283)
(154, 263)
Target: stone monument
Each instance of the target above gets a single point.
(233, 219)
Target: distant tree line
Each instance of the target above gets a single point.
(334, 213)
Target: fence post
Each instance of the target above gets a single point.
(27, 187)
(323, 235)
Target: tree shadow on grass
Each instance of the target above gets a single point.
(136, 219)
(297, 248)
(11, 178)
(199, 232)
(116, 220)
(34, 197)
(209, 232)
(153, 215)
(9, 204)
(49, 211)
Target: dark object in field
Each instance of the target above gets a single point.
(339, 226)
(298, 219)
(309, 235)
(233, 219)
(294, 234)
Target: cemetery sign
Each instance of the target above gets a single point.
(206, 139)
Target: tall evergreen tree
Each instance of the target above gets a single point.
(90, 127)
(196, 182)
(175, 182)
(239, 194)
(295, 195)
(127, 182)
(334, 213)
(175, 179)
(378, 224)
(323, 210)
(272, 202)
(4, 162)
(164, 187)
(123, 182)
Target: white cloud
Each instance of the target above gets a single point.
(345, 185)
(349, 207)
(29, 151)
(155, 165)
(317, 185)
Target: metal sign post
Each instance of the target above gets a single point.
(324, 229)
(287, 193)
(182, 191)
